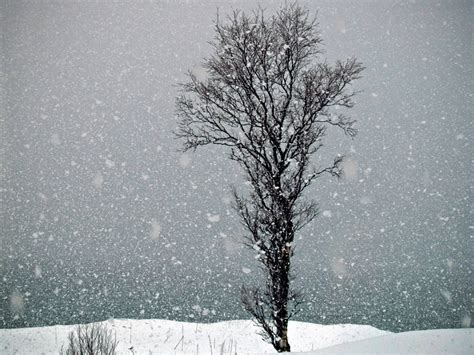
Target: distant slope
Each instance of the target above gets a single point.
(439, 341)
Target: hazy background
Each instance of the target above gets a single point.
(102, 217)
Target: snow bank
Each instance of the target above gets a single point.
(241, 337)
(171, 337)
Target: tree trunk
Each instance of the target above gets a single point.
(282, 293)
(284, 345)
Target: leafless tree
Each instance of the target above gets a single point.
(268, 98)
(91, 339)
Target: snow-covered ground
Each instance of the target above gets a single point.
(241, 337)
(437, 341)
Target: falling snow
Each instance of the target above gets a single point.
(104, 217)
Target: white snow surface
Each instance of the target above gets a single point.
(437, 341)
(241, 337)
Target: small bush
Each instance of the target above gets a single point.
(91, 339)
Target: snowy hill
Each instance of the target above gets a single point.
(240, 337)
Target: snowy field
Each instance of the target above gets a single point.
(240, 337)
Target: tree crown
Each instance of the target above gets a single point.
(268, 99)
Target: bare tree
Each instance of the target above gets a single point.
(91, 339)
(268, 99)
